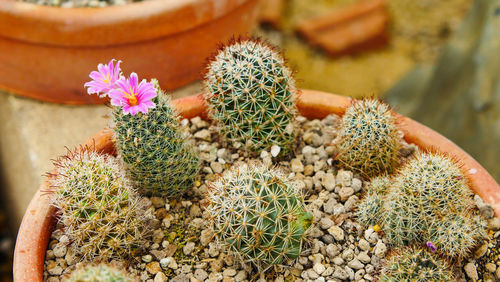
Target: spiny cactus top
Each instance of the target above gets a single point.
(259, 214)
(429, 200)
(102, 272)
(369, 139)
(251, 96)
(97, 206)
(154, 149)
(418, 265)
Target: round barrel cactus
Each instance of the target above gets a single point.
(101, 272)
(416, 264)
(251, 96)
(370, 141)
(97, 206)
(259, 214)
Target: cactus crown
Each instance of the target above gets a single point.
(97, 206)
(416, 264)
(251, 96)
(369, 210)
(259, 214)
(101, 272)
(155, 152)
(429, 200)
(370, 141)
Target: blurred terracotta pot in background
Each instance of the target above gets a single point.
(46, 53)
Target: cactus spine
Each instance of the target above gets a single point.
(370, 141)
(259, 215)
(156, 155)
(251, 96)
(99, 209)
(101, 272)
(416, 264)
(429, 200)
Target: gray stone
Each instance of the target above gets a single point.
(203, 135)
(325, 223)
(340, 273)
(229, 272)
(345, 193)
(319, 268)
(380, 249)
(206, 237)
(364, 245)
(200, 274)
(355, 264)
(188, 248)
(470, 270)
(494, 224)
(296, 166)
(160, 277)
(364, 257)
(336, 232)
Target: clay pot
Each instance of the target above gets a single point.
(38, 221)
(47, 53)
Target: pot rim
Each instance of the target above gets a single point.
(29, 254)
(113, 25)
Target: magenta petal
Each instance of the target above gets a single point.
(133, 79)
(116, 74)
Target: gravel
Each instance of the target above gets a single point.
(183, 247)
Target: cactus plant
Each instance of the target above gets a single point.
(370, 141)
(97, 206)
(416, 264)
(369, 210)
(156, 154)
(429, 200)
(259, 214)
(101, 272)
(251, 96)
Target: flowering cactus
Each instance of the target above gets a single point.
(132, 96)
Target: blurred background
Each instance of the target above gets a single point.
(433, 60)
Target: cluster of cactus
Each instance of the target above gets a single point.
(416, 264)
(259, 214)
(251, 96)
(430, 200)
(156, 154)
(369, 210)
(101, 272)
(97, 206)
(370, 141)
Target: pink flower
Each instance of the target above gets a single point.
(133, 97)
(104, 80)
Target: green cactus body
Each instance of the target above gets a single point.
(97, 206)
(370, 141)
(251, 96)
(156, 155)
(416, 264)
(102, 272)
(429, 200)
(369, 211)
(259, 214)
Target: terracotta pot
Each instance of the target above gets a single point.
(38, 221)
(47, 53)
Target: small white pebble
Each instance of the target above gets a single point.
(275, 150)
